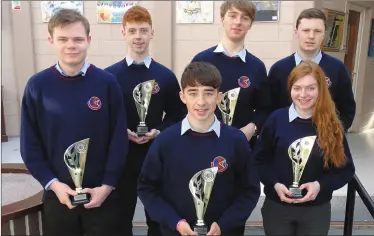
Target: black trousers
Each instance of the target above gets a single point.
(59, 220)
(127, 190)
(294, 220)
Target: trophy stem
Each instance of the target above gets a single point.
(200, 223)
(78, 190)
(141, 123)
(295, 184)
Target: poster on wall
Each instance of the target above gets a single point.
(49, 8)
(371, 40)
(16, 5)
(189, 12)
(267, 11)
(112, 11)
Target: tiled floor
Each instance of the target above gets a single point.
(362, 149)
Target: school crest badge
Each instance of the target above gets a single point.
(328, 81)
(94, 103)
(244, 82)
(221, 163)
(156, 88)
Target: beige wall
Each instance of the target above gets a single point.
(173, 45)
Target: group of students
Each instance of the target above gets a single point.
(307, 94)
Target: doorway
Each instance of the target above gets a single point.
(352, 39)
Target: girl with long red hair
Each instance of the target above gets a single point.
(303, 156)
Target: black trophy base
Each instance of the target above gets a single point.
(296, 192)
(200, 230)
(141, 130)
(80, 198)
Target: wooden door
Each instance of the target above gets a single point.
(352, 37)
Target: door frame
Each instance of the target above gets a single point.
(358, 73)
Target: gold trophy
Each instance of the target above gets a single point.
(75, 159)
(142, 94)
(299, 152)
(228, 104)
(201, 185)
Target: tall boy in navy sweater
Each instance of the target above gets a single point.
(66, 103)
(198, 142)
(136, 68)
(310, 33)
(240, 68)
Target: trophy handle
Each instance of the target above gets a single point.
(78, 152)
(302, 148)
(201, 185)
(228, 104)
(142, 96)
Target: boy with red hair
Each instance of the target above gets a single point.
(137, 67)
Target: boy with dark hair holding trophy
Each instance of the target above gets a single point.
(199, 177)
(73, 121)
(150, 90)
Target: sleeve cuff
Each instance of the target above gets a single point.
(47, 186)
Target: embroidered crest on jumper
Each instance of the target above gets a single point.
(244, 82)
(156, 88)
(94, 103)
(221, 163)
(328, 81)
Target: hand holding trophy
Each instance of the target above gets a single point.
(201, 185)
(299, 152)
(75, 159)
(142, 95)
(228, 104)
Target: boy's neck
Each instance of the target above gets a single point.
(201, 126)
(71, 70)
(232, 47)
(307, 56)
(138, 57)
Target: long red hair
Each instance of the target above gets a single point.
(329, 128)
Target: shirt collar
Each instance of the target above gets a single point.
(293, 114)
(316, 59)
(216, 126)
(147, 61)
(242, 54)
(82, 72)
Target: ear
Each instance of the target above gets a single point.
(89, 39)
(123, 31)
(152, 33)
(181, 96)
(296, 34)
(219, 97)
(50, 39)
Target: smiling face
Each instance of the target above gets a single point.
(138, 36)
(304, 93)
(236, 24)
(201, 102)
(310, 34)
(71, 43)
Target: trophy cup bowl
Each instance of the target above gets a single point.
(299, 152)
(75, 159)
(142, 95)
(228, 104)
(201, 185)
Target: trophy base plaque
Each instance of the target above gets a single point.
(80, 198)
(141, 130)
(296, 192)
(200, 230)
